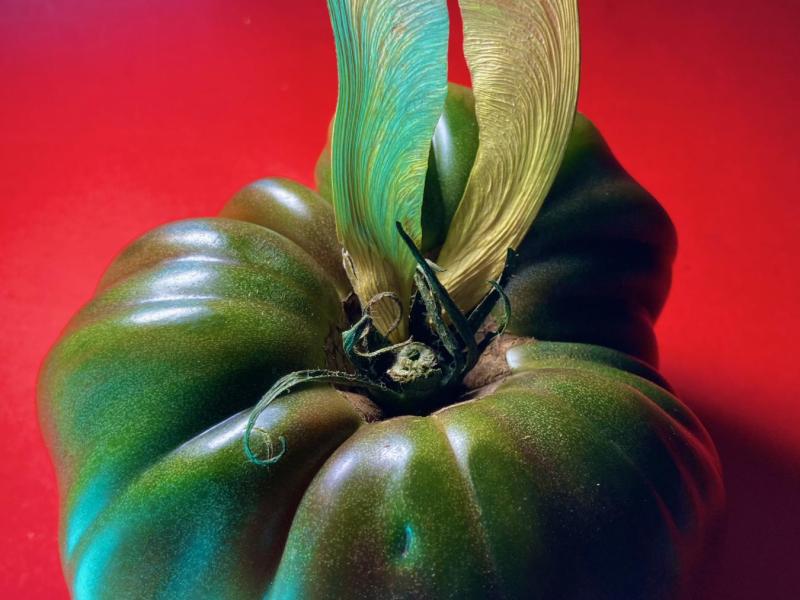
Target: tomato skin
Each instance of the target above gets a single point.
(144, 400)
(453, 149)
(294, 211)
(189, 327)
(580, 476)
(596, 266)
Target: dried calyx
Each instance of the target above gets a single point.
(415, 376)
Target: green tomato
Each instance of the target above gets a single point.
(575, 473)
(579, 476)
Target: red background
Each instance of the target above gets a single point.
(116, 117)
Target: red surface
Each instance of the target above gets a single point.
(116, 117)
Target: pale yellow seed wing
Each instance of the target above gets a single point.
(524, 58)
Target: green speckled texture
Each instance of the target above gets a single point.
(294, 211)
(145, 397)
(580, 476)
(596, 266)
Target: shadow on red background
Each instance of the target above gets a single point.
(117, 117)
(758, 557)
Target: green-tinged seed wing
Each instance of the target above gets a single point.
(392, 59)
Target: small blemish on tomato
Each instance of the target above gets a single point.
(408, 539)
